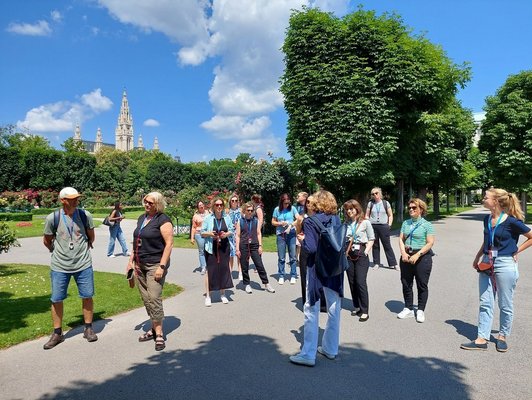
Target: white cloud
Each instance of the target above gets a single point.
(40, 28)
(62, 116)
(262, 146)
(479, 116)
(151, 122)
(245, 36)
(56, 16)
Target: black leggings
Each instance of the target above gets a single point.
(357, 275)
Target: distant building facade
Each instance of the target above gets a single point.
(124, 137)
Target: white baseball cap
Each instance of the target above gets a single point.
(68, 193)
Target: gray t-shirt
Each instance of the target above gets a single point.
(379, 212)
(69, 230)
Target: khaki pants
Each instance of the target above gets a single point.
(151, 291)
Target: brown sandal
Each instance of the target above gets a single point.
(159, 343)
(147, 336)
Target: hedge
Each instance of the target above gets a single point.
(16, 216)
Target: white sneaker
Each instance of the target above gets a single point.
(269, 288)
(420, 316)
(240, 277)
(248, 289)
(281, 280)
(292, 281)
(203, 271)
(126, 254)
(112, 256)
(224, 300)
(207, 301)
(376, 266)
(406, 313)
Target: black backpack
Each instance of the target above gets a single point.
(331, 258)
(82, 216)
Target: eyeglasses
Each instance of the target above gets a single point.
(412, 208)
(218, 204)
(374, 193)
(234, 200)
(149, 203)
(250, 210)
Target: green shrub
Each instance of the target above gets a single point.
(7, 238)
(17, 216)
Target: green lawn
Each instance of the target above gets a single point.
(25, 301)
(24, 229)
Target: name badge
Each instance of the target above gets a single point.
(356, 246)
(494, 253)
(249, 240)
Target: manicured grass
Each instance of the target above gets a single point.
(25, 301)
(24, 229)
(268, 243)
(129, 215)
(529, 214)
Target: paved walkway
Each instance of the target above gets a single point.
(240, 350)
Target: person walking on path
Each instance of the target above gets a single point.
(248, 239)
(216, 230)
(115, 231)
(502, 228)
(235, 215)
(325, 212)
(195, 233)
(153, 241)
(68, 235)
(380, 214)
(415, 241)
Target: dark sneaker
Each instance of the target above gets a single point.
(474, 346)
(89, 334)
(501, 346)
(55, 339)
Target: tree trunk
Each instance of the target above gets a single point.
(436, 201)
(400, 201)
(523, 202)
(448, 208)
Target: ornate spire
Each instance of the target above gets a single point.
(99, 140)
(140, 144)
(77, 134)
(124, 128)
(156, 143)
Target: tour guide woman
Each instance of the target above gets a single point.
(216, 230)
(415, 241)
(152, 246)
(325, 211)
(502, 228)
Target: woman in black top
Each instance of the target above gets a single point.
(152, 244)
(248, 240)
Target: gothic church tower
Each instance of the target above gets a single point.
(124, 129)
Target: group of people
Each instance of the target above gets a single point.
(69, 234)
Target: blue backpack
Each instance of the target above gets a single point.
(331, 258)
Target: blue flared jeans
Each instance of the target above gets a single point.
(506, 275)
(115, 232)
(287, 241)
(200, 242)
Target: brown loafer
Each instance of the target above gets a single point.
(89, 334)
(55, 339)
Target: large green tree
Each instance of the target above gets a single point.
(355, 89)
(506, 138)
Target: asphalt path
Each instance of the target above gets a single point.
(240, 350)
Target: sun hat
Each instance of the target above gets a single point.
(68, 193)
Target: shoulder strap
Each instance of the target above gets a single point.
(318, 223)
(56, 221)
(386, 205)
(83, 218)
(242, 224)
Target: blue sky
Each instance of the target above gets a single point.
(203, 75)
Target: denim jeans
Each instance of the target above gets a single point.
(115, 232)
(331, 334)
(60, 280)
(285, 241)
(506, 275)
(200, 242)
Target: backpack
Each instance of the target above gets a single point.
(331, 259)
(82, 216)
(386, 206)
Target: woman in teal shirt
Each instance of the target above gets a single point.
(415, 241)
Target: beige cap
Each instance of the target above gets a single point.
(68, 193)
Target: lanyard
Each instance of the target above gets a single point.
(218, 224)
(70, 228)
(412, 230)
(354, 230)
(491, 231)
(250, 225)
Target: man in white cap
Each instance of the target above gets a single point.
(69, 234)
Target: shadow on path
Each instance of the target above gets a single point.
(251, 367)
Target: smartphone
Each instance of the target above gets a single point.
(129, 275)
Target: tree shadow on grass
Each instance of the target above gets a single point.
(252, 367)
(13, 312)
(5, 271)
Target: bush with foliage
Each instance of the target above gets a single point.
(7, 238)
